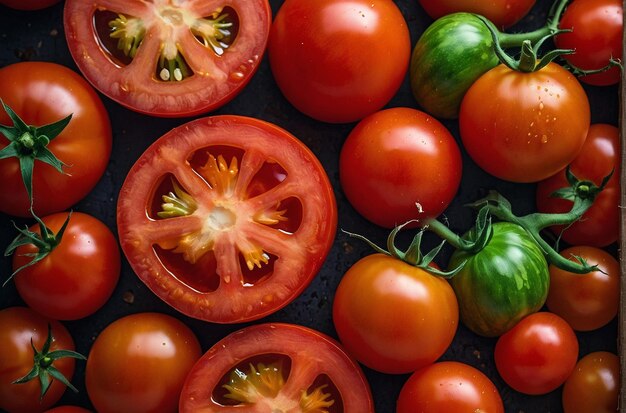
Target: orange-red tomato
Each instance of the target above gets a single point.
(524, 127)
(78, 276)
(599, 157)
(394, 317)
(538, 354)
(586, 301)
(19, 326)
(139, 362)
(449, 387)
(593, 386)
(339, 60)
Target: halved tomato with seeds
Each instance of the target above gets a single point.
(227, 218)
(168, 58)
(276, 367)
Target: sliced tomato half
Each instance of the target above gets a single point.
(276, 367)
(227, 218)
(168, 58)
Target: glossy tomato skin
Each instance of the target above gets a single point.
(503, 13)
(524, 127)
(214, 78)
(139, 362)
(262, 222)
(78, 276)
(42, 93)
(393, 317)
(449, 56)
(18, 325)
(28, 4)
(396, 158)
(593, 386)
(502, 283)
(599, 157)
(311, 356)
(339, 60)
(538, 354)
(586, 301)
(449, 387)
(595, 33)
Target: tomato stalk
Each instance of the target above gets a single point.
(43, 368)
(413, 255)
(582, 193)
(29, 143)
(45, 242)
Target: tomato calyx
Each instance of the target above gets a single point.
(45, 242)
(581, 193)
(413, 255)
(29, 143)
(265, 382)
(43, 368)
(528, 61)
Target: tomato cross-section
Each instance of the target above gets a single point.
(276, 367)
(168, 58)
(227, 218)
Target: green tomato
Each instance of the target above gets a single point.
(451, 54)
(505, 281)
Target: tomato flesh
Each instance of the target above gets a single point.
(220, 224)
(276, 367)
(168, 58)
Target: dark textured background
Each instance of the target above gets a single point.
(39, 36)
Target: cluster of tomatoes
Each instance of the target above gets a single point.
(229, 221)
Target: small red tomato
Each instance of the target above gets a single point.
(449, 387)
(139, 363)
(538, 354)
(594, 385)
(586, 301)
(394, 317)
(398, 158)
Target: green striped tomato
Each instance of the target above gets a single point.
(449, 56)
(505, 281)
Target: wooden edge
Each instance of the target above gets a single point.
(622, 234)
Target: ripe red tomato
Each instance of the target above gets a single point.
(502, 13)
(227, 218)
(538, 354)
(396, 158)
(586, 301)
(168, 59)
(28, 4)
(449, 387)
(394, 317)
(339, 60)
(139, 363)
(279, 368)
(78, 276)
(596, 36)
(600, 156)
(18, 326)
(593, 386)
(524, 127)
(42, 93)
